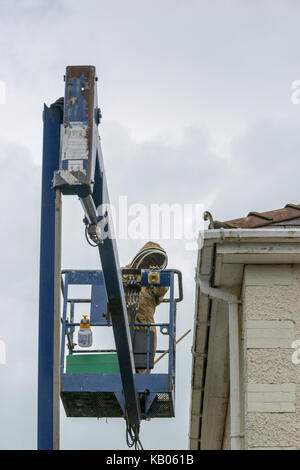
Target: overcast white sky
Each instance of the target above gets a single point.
(196, 102)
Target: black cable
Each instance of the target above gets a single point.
(132, 436)
(129, 437)
(87, 237)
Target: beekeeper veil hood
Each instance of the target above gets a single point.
(151, 255)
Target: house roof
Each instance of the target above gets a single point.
(261, 219)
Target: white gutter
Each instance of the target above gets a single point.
(257, 234)
(235, 395)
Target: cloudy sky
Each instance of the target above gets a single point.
(196, 103)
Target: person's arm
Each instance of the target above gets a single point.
(159, 293)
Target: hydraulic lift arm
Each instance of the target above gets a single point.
(72, 151)
(73, 165)
(82, 173)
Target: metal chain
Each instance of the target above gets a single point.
(132, 292)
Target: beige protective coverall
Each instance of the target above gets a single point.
(148, 300)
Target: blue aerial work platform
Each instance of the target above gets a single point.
(98, 394)
(73, 165)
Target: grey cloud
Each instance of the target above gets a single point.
(20, 213)
(153, 171)
(264, 170)
(201, 69)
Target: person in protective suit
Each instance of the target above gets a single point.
(150, 256)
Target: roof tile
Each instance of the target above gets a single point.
(261, 219)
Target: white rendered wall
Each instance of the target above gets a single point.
(271, 379)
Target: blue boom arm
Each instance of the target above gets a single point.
(73, 165)
(81, 172)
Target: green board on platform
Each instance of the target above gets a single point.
(92, 364)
